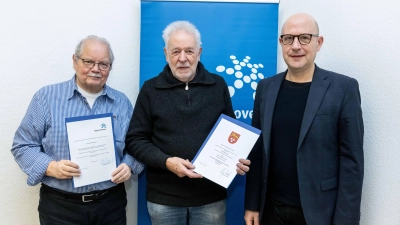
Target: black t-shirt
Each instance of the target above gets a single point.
(283, 185)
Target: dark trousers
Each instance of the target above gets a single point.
(108, 210)
(276, 213)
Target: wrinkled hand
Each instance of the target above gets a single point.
(181, 167)
(121, 173)
(251, 217)
(63, 169)
(242, 166)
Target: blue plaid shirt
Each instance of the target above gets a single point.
(42, 135)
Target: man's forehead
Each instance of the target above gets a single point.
(181, 36)
(180, 46)
(301, 23)
(96, 48)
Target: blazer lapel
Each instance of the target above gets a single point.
(270, 99)
(318, 88)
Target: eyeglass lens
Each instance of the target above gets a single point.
(303, 38)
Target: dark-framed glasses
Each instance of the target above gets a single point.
(304, 39)
(90, 64)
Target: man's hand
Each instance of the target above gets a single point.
(242, 166)
(181, 167)
(63, 169)
(251, 217)
(121, 173)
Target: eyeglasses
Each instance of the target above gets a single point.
(90, 64)
(304, 39)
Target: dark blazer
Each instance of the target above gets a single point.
(330, 159)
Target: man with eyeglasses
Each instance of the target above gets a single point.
(307, 166)
(41, 149)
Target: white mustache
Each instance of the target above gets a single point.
(94, 75)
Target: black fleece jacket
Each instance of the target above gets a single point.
(169, 121)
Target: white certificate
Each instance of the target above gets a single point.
(228, 141)
(92, 147)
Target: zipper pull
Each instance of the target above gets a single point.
(187, 86)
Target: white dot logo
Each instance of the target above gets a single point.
(239, 74)
(220, 68)
(245, 72)
(230, 71)
(237, 67)
(238, 84)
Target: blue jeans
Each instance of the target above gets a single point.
(211, 214)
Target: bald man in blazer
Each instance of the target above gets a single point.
(308, 165)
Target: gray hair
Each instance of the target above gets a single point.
(79, 47)
(185, 26)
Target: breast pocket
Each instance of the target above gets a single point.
(327, 111)
(325, 125)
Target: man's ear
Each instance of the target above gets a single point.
(280, 42)
(74, 62)
(320, 42)
(166, 54)
(200, 51)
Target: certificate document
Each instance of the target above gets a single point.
(228, 141)
(92, 147)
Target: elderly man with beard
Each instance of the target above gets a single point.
(173, 115)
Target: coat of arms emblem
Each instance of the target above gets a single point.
(233, 137)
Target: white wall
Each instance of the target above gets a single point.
(37, 40)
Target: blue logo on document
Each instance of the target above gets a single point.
(103, 126)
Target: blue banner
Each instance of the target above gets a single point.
(239, 43)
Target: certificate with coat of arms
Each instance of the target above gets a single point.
(92, 147)
(228, 141)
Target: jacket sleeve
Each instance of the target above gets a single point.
(135, 165)
(138, 139)
(351, 133)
